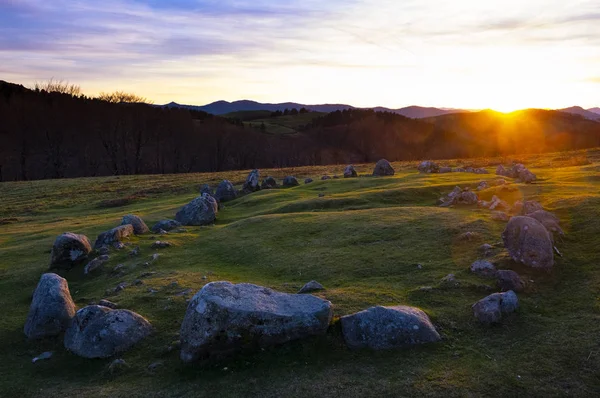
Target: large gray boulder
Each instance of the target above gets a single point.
(350, 172)
(428, 166)
(252, 183)
(139, 226)
(483, 268)
(100, 332)
(384, 328)
(69, 249)
(225, 191)
(528, 242)
(165, 225)
(114, 236)
(52, 308)
(200, 211)
(491, 308)
(290, 181)
(383, 168)
(223, 318)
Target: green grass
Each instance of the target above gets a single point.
(362, 241)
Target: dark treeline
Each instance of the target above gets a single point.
(53, 135)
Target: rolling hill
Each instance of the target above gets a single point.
(577, 110)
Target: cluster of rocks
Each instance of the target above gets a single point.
(428, 166)
(459, 196)
(517, 171)
(95, 331)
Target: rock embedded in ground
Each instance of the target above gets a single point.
(200, 211)
(311, 286)
(69, 250)
(103, 250)
(165, 225)
(308, 180)
(486, 249)
(449, 281)
(96, 264)
(117, 366)
(223, 318)
(384, 328)
(160, 244)
(483, 268)
(139, 226)
(114, 236)
(491, 308)
(528, 242)
(445, 170)
(101, 332)
(269, 183)
(321, 195)
(225, 192)
(350, 172)
(290, 181)
(325, 178)
(459, 196)
(43, 356)
(107, 303)
(500, 216)
(383, 168)
(52, 308)
(428, 166)
(483, 185)
(549, 221)
(252, 183)
(531, 206)
(509, 280)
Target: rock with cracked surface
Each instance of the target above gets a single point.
(69, 250)
(200, 211)
(491, 308)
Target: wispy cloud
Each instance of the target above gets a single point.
(304, 48)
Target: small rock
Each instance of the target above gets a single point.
(311, 286)
(449, 281)
(486, 249)
(290, 181)
(69, 250)
(428, 166)
(444, 170)
(154, 366)
(135, 251)
(139, 226)
(252, 181)
(160, 244)
(483, 185)
(335, 176)
(350, 172)
(509, 280)
(102, 250)
(138, 282)
(531, 206)
(95, 264)
(308, 180)
(106, 303)
(321, 195)
(269, 183)
(118, 268)
(117, 366)
(500, 216)
(165, 225)
(325, 178)
(483, 268)
(120, 287)
(113, 237)
(147, 274)
(42, 356)
(154, 257)
(490, 309)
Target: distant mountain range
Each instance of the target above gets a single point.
(592, 113)
(224, 107)
(415, 112)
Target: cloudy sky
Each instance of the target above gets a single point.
(504, 55)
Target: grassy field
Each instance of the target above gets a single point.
(363, 241)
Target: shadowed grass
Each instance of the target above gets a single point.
(363, 240)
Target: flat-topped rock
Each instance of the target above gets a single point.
(69, 250)
(114, 236)
(223, 318)
(51, 309)
(384, 328)
(165, 225)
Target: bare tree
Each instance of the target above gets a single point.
(58, 86)
(122, 96)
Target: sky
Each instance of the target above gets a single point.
(504, 55)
